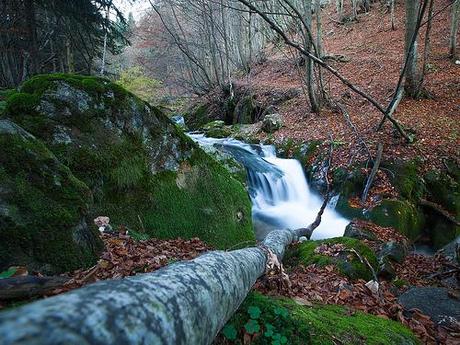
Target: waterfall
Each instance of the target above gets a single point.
(280, 195)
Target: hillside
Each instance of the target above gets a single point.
(374, 54)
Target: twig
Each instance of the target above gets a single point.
(446, 273)
(374, 170)
(346, 115)
(142, 224)
(364, 261)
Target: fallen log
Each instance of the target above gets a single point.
(183, 303)
(24, 287)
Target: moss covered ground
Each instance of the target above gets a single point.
(267, 320)
(348, 263)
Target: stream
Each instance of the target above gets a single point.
(280, 195)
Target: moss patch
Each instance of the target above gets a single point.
(197, 116)
(42, 209)
(281, 321)
(347, 263)
(401, 215)
(404, 176)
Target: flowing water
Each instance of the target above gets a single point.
(280, 195)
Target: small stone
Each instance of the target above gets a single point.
(373, 286)
(457, 62)
(386, 270)
(394, 251)
(272, 122)
(303, 239)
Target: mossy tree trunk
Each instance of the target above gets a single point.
(184, 303)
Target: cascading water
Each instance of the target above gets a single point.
(281, 198)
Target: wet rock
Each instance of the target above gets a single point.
(179, 121)
(355, 231)
(452, 250)
(272, 122)
(432, 301)
(386, 270)
(393, 251)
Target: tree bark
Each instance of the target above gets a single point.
(412, 81)
(183, 303)
(454, 29)
(310, 77)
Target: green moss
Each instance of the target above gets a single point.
(244, 111)
(401, 215)
(347, 263)
(21, 102)
(197, 116)
(444, 190)
(404, 176)
(198, 200)
(443, 232)
(44, 203)
(281, 321)
(399, 283)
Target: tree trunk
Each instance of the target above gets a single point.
(454, 29)
(339, 7)
(412, 82)
(310, 77)
(29, 7)
(183, 303)
(392, 15)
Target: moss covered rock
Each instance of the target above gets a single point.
(266, 320)
(43, 208)
(143, 171)
(244, 111)
(399, 214)
(347, 262)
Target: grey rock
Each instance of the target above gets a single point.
(354, 231)
(272, 122)
(452, 250)
(179, 121)
(386, 270)
(432, 301)
(394, 251)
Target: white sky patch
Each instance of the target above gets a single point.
(137, 8)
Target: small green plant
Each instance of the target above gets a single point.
(8, 273)
(337, 143)
(263, 323)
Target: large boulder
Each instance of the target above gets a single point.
(432, 301)
(43, 208)
(144, 172)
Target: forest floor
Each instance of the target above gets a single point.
(308, 285)
(375, 53)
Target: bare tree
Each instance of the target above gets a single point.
(454, 29)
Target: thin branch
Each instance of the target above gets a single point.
(320, 62)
